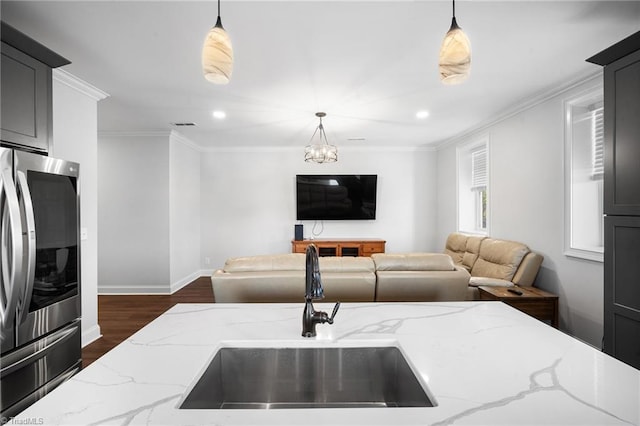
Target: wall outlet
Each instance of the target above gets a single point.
(207, 261)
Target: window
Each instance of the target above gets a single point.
(473, 184)
(584, 168)
(597, 141)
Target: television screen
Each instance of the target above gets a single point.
(336, 197)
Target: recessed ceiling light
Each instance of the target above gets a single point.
(219, 114)
(357, 138)
(421, 115)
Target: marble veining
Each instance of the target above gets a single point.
(537, 384)
(485, 363)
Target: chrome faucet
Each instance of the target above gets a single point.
(314, 290)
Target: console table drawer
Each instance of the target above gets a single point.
(371, 248)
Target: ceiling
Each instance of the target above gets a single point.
(370, 65)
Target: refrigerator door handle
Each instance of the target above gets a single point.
(35, 351)
(25, 298)
(11, 244)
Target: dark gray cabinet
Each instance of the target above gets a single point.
(25, 91)
(622, 198)
(26, 100)
(622, 288)
(622, 136)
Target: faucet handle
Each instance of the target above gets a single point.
(333, 314)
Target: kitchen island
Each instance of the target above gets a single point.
(484, 363)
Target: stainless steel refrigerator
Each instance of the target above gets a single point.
(39, 277)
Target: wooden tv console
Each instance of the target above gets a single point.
(345, 247)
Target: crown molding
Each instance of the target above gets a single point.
(258, 149)
(169, 135)
(522, 106)
(78, 84)
(178, 137)
(135, 134)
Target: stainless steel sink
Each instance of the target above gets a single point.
(269, 378)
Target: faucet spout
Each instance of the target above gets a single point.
(313, 282)
(313, 291)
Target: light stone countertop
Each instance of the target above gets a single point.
(484, 362)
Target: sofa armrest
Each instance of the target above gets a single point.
(528, 269)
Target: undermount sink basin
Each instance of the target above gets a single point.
(328, 377)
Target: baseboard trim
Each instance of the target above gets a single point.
(206, 272)
(132, 291)
(142, 290)
(184, 281)
(91, 335)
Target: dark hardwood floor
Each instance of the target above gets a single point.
(121, 316)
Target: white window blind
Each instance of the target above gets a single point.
(479, 169)
(597, 140)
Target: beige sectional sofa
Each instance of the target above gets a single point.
(493, 262)
(468, 262)
(382, 277)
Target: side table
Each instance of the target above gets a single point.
(533, 301)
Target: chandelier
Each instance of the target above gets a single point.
(320, 152)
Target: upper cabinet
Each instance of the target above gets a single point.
(622, 126)
(26, 95)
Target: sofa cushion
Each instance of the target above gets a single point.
(346, 264)
(421, 286)
(456, 246)
(278, 262)
(499, 259)
(413, 262)
(472, 251)
(463, 248)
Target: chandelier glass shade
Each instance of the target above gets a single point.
(217, 54)
(321, 151)
(455, 54)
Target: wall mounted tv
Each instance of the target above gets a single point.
(336, 197)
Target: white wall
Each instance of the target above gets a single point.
(133, 213)
(149, 213)
(75, 124)
(526, 194)
(184, 212)
(248, 200)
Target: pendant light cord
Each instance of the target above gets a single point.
(454, 8)
(219, 20)
(454, 23)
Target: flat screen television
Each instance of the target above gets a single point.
(336, 197)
